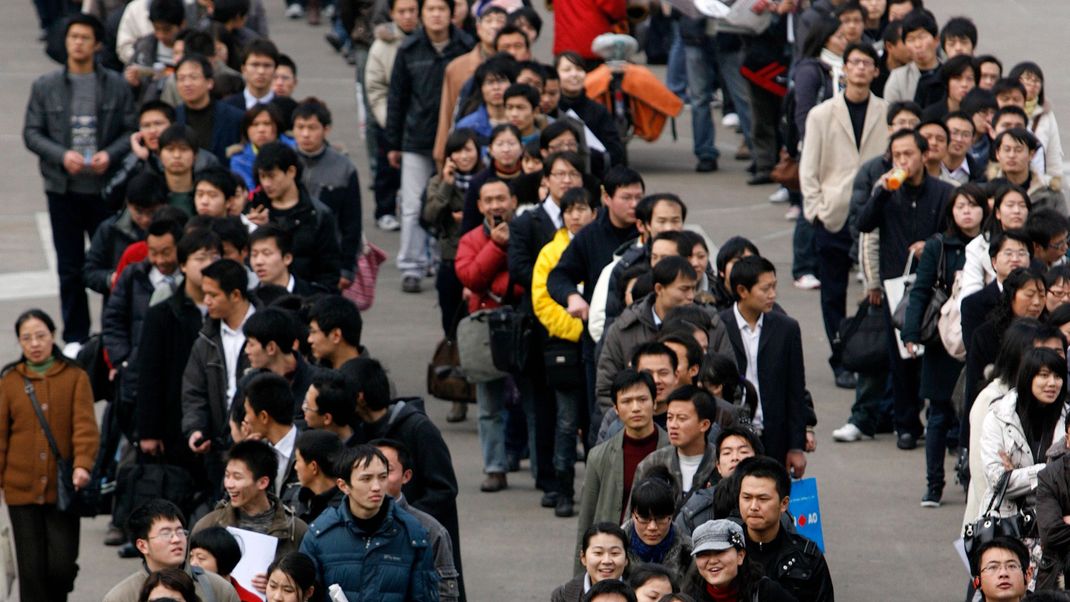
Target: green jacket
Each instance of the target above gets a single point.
(603, 486)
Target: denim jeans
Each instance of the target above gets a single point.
(414, 251)
(941, 421)
(676, 69)
(735, 88)
(803, 256)
(568, 404)
(490, 397)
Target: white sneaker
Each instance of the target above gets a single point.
(807, 282)
(849, 433)
(388, 223)
(730, 120)
(793, 213)
(328, 12)
(71, 350)
(780, 196)
(295, 11)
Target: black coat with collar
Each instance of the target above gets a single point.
(529, 232)
(781, 381)
(975, 310)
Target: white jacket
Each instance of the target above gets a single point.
(981, 406)
(1002, 431)
(1046, 129)
(978, 270)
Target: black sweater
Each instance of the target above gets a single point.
(588, 253)
(904, 217)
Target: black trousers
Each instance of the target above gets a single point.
(387, 179)
(46, 546)
(906, 384)
(834, 267)
(73, 217)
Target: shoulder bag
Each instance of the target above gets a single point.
(474, 350)
(929, 333)
(991, 525)
(862, 340)
(80, 502)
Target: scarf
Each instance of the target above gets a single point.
(652, 553)
(507, 173)
(43, 366)
(1031, 106)
(731, 594)
(461, 181)
(835, 64)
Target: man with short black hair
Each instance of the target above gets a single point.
(732, 445)
(331, 405)
(215, 123)
(1048, 229)
(270, 257)
(691, 460)
(144, 195)
(269, 415)
(311, 224)
(790, 559)
(77, 139)
(158, 529)
(1002, 570)
(157, 48)
(334, 329)
(259, 60)
(959, 166)
(958, 37)
(214, 191)
(315, 453)
(918, 80)
(178, 153)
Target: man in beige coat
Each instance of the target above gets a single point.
(841, 134)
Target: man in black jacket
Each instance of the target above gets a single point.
(790, 559)
(216, 124)
(412, 119)
(144, 195)
(77, 122)
(906, 218)
(310, 224)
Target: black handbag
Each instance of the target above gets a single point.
(445, 380)
(929, 333)
(149, 479)
(564, 364)
(990, 526)
(510, 332)
(81, 502)
(862, 340)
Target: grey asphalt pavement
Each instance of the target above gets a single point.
(880, 542)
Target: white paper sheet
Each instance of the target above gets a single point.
(257, 553)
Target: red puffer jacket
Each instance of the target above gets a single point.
(578, 22)
(483, 267)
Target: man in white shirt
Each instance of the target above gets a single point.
(269, 416)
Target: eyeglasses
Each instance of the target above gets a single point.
(660, 521)
(1011, 566)
(565, 175)
(860, 62)
(30, 338)
(962, 134)
(1062, 244)
(1058, 294)
(1014, 253)
(169, 534)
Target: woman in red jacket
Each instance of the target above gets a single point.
(578, 22)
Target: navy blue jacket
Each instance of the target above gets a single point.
(394, 564)
(226, 127)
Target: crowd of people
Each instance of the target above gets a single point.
(226, 238)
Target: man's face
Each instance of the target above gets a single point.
(367, 484)
(759, 504)
(262, 129)
(269, 263)
(860, 69)
(990, 74)
(496, 203)
(397, 477)
(276, 183)
(436, 16)
(899, 51)
(309, 133)
(666, 216)
(577, 217)
(514, 44)
(197, 261)
(165, 546)
(551, 95)
(1012, 255)
(193, 86)
(284, 81)
(258, 71)
(310, 407)
(493, 89)
(1051, 252)
(937, 140)
(660, 367)
(488, 26)
(734, 449)
(622, 204)
(81, 43)
(177, 158)
(907, 156)
(209, 200)
(217, 302)
(982, 121)
(1013, 156)
(762, 296)
(635, 407)
(958, 87)
(257, 354)
(322, 343)
(903, 120)
(684, 425)
(151, 124)
(685, 372)
(1002, 575)
(922, 46)
(678, 292)
(566, 141)
(406, 15)
(165, 32)
(852, 25)
(520, 113)
(961, 137)
(530, 78)
(163, 254)
(661, 249)
(1005, 122)
(899, 9)
(1013, 97)
(142, 216)
(955, 46)
(302, 468)
(241, 487)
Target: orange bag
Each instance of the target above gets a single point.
(651, 103)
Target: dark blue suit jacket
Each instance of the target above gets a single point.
(226, 127)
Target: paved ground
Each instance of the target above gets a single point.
(879, 541)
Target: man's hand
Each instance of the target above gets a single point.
(912, 349)
(151, 447)
(344, 283)
(138, 147)
(394, 158)
(73, 162)
(457, 216)
(258, 215)
(796, 462)
(198, 443)
(260, 583)
(577, 307)
(874, 296)
(811, 441)
(917, 248)
(80, 478)
(132, 75)
(100, 162)
(500, 234)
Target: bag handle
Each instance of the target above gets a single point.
(941, 272)
(999, 493)
(910, 264)
(28, 387)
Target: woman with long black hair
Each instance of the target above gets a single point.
(46, 538)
